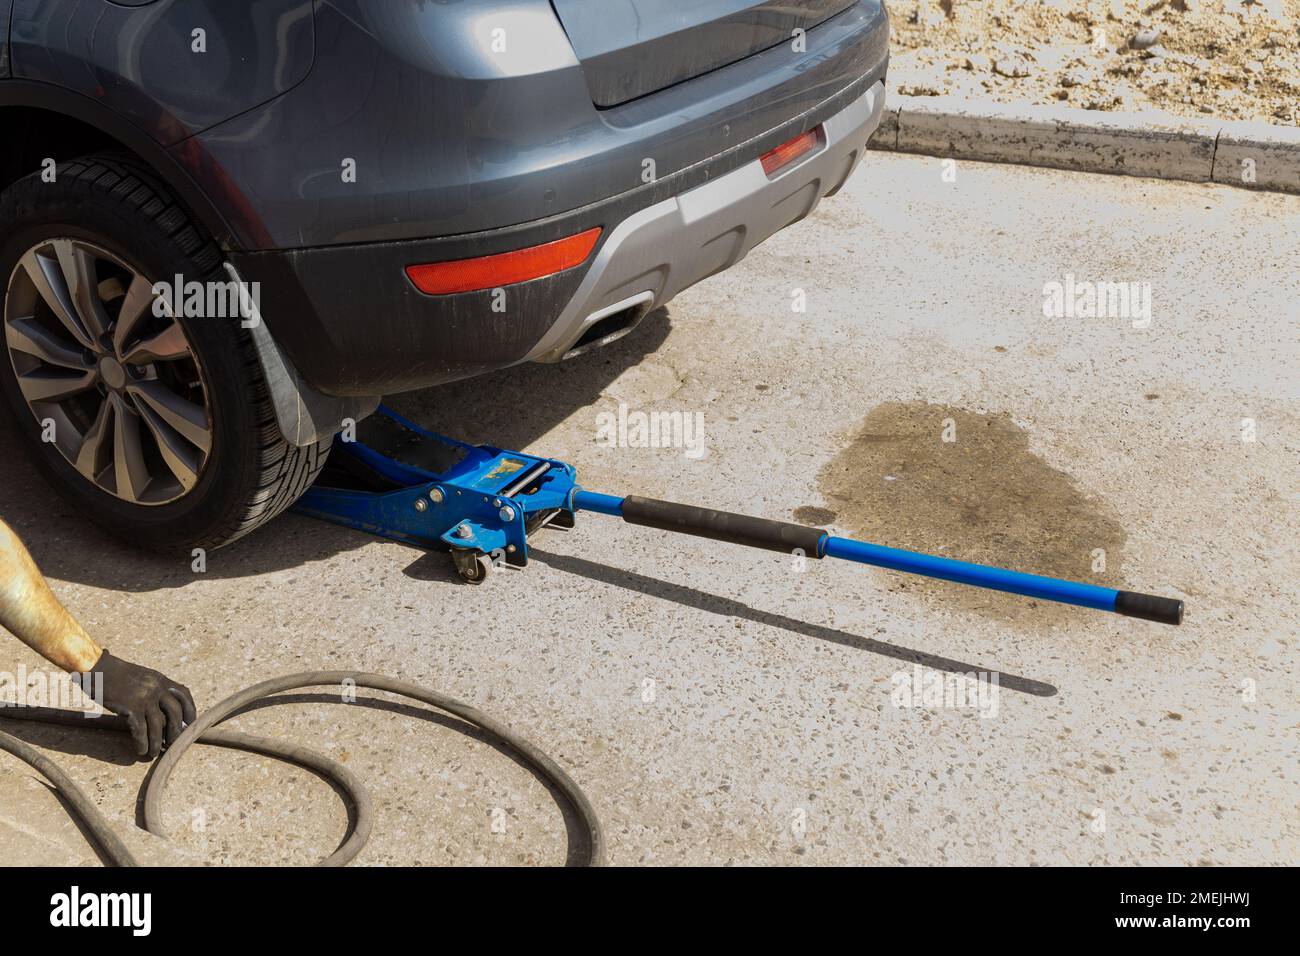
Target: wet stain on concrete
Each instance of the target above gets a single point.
(983, 497)
(813, 516)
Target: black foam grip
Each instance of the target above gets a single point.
(1149, 607)
(723, 526)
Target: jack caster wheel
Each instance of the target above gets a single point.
(472, 566)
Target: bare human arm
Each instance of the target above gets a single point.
(30, 611)
(156, 708)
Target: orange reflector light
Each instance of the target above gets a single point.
(505, 268)
(788, 152)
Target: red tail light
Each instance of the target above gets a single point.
(505, 268)
(789, 151)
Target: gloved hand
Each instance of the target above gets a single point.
(155, 708)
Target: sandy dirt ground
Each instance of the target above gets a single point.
(1228, 59)
(722, 705)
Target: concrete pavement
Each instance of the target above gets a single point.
(725, 706)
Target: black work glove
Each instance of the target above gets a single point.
(156, 708)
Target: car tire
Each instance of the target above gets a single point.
(174, 443)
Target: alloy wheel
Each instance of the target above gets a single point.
(107, 371)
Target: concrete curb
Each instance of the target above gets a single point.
(1150, 143)
(1271, 154)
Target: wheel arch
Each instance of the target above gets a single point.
(61, 124)
(46, 121)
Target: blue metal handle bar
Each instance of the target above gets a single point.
(815, 543)
(594, 501)
(978, 575)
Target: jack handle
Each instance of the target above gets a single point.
(817, 543)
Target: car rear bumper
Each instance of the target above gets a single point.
(662, 250)
(353, 325)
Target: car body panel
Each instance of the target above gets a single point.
(142, 58)
(450, 138)
(631, 48)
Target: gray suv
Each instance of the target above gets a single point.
(398, 192)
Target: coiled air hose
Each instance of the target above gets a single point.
(204, 730)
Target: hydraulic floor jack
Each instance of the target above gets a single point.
(482, 504)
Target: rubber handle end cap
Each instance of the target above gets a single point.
(1149, 607)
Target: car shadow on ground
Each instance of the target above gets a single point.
(511, 408)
